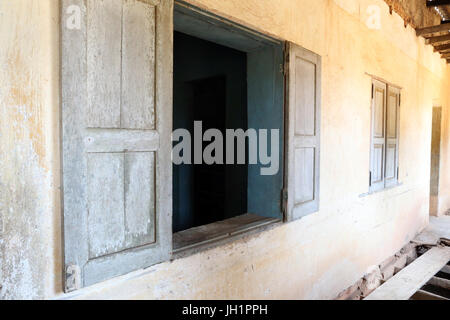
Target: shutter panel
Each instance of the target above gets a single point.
(378, 139)
(392, 131)
(116, 137)
(303, 143)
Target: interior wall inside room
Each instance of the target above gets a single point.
(197, 66)
(266, 112)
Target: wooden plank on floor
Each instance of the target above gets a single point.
(446, 269)
(408, 281)
(440, 282)
(424, 295)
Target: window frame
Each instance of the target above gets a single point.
(213, 238)
(378, 82)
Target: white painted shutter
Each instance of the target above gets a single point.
(392, 132)
(378, 139)
(303, 145)
(116, 137)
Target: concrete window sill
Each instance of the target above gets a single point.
(398, 184)
(200, 238)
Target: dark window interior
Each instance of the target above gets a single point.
(228, 79)
(210, 86)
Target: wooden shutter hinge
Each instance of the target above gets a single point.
(72, 278)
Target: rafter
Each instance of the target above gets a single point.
(438, 39)
(442, 47)
(433, 29)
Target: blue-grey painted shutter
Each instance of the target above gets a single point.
(116, 137)
(392, 135)
(378, 138)
(303, 147)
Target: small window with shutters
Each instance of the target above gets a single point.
(384, 149)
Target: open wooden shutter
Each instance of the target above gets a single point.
(392, 131)
(116, 136)
(378, 140)
(303, 143)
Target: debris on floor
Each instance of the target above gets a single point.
(437, 231)
(419, 271)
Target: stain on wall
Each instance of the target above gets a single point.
(28, 92)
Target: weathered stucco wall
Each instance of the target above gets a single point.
(444, 173)
(315, 257)
(29, 211)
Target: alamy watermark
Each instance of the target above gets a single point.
(73, 22)
(259, 151)
(374, 17)
(74, 17)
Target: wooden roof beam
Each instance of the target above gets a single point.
(442, 47)
(445, 56)
(433, 29)
(438, 39)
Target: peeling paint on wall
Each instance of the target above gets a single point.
(26, 176)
